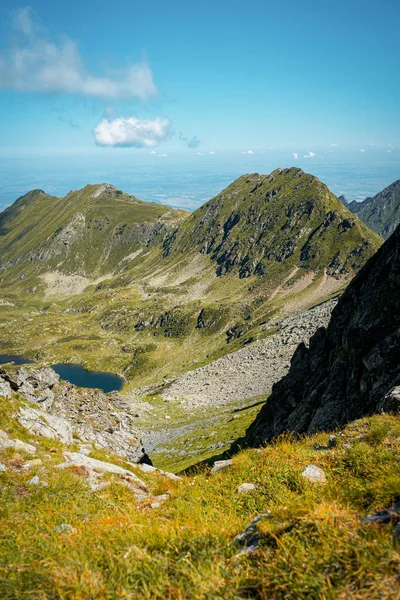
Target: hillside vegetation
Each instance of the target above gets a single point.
(108, 281)
(61, 540)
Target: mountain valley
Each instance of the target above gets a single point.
(269, 313)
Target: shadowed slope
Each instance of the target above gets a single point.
(348, 368)
(381, 212)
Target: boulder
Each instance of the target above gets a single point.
(221, 464)
(314, 474)
(5, 442)
(45, 425)
(97, 468)
(5, 388)
(245, 488)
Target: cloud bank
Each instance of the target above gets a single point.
(35, 63)
(310, 155)
(132, 132)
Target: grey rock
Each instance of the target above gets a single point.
(96, 469)
(349, 368)
(388, 515)
(390, 403)
(45, 425)
(249, 539)
(3, 468)
(65, 528)
(221, 464)
(34, 481)
(150, 469)
(314, 474)
(5, 442)
(245, 488)
(5, 388)
(159, 500)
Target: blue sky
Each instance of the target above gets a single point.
(124, 78)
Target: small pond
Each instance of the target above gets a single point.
(107, 382)
(89, 379)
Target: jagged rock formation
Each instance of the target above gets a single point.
(287, 216)
(350, 368)
(62, 410)
(381, 212)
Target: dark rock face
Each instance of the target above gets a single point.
(381, 212)
(350, 368)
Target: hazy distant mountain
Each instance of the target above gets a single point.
(381, 212)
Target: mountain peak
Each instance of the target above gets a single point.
(286, 216)
(381, 212)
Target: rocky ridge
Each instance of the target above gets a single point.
(350, 368)
(60, 410)
(381, 212)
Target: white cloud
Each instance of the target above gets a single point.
(362, 150)
(162, 154)
(138, 133)
(35, 63)
(389, 150)
(200, 154)
(262, 151)
(310, 155)
(334, 145)
(295, 155)
(153, 152)
(248, 152)
(212, 152)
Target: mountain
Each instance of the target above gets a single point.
(87, 232)
(286, 217)
(108, 281)
(381, 212)
(350, 368)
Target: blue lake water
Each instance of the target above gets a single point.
(89, 379)
(107, 382)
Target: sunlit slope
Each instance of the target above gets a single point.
(87, 232)
(141, 289)
(286, 217)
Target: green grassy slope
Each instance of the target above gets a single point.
(88, 232)
(312, 544)
(165, 306)
(288, 216)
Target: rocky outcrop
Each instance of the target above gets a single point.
(63, 411)
(96, 469)
(350, 368)
(45, 425)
